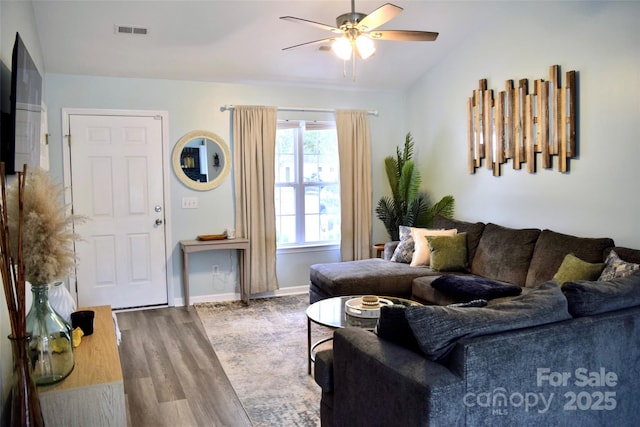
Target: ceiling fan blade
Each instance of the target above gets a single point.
(380, 16)
(310, 43)
(404, 35)
(313, 23)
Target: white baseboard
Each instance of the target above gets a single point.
(235, 296)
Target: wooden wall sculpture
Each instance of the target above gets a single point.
(517, 124)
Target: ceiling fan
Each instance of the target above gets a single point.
(356, 32)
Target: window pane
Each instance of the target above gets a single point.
(330, 212)
(285, 229)
(285, 168)
(312, 228)
(285, 200)
(285, 155)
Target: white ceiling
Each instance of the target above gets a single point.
(242, 40)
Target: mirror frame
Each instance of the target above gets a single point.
(226, 161)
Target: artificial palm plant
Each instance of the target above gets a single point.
(407, 205)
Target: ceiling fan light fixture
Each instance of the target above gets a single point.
(366, 47)
(342, 48)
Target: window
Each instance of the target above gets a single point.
(307, 188)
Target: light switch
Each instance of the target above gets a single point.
(189, 203)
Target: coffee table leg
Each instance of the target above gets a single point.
(308, 346)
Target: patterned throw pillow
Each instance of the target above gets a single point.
(616, 267)
(404, 250)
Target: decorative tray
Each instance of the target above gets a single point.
(354, 307)
(212, 237)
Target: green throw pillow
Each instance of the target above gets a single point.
(573, 268)
(448, 253)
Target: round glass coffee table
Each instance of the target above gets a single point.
(331, 313)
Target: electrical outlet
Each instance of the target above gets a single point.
(189, 203)
(215, 270)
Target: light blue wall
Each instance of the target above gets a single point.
(196, 105)
(599, 197)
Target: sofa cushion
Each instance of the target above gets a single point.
(573, 268)
(437, 329)
(473, 229)
(448, 253)
(587, 298)
(505, 253)
(552, 247)
(421, 254)
(617, 267)
(404, 250)
(473, 287)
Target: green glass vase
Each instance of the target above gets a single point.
(50, 342)
(25, 405)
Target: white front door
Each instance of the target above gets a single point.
(117, 184)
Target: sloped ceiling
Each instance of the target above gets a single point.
(242, 40)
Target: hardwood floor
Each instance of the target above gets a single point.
(172, 376)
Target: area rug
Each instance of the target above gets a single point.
(263, 350)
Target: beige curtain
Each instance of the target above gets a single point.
(254, 140)
(354, 148)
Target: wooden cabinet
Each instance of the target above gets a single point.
(93, 394)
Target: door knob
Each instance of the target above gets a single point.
(158, 221)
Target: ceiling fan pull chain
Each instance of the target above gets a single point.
(353, 70)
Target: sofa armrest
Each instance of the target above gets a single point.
(380, 383)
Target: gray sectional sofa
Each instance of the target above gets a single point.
(554, 355)
(523, 257)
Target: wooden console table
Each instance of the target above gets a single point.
(93, 394)
(242, 245)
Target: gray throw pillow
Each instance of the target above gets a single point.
(437, 328)
(588, 298)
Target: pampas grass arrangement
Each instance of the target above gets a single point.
(25, 405)
(48, 230)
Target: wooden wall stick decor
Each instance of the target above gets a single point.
(518, 124)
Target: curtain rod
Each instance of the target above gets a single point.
(303, 109)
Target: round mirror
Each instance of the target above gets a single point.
(201, 160)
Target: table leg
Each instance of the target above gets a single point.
(308, 346)
(243, 279)
(185, 278)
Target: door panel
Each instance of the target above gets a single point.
(116, 183)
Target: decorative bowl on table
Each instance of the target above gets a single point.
(206, 237)
(366, 306)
